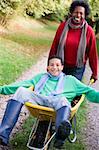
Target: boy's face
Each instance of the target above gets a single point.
(55, 66)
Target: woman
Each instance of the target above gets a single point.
(75, 42)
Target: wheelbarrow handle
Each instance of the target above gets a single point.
(91, 81)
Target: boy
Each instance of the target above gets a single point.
(52, 89)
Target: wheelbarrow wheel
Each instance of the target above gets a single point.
(73, 136)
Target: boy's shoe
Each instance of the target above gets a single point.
(62, 133)
(58, 143)
(2, 143)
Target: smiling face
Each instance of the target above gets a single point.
(55, 66)
(78, 14)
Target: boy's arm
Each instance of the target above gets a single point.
(91, 94)
(11, 88)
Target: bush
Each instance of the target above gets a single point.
(7, 8)
(52, 10)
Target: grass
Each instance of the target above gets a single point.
(29, 40)
(19, 51)
(20, 140)
(12, 62)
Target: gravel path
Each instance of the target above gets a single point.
(91, 132)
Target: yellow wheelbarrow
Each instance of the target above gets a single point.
(43, 130)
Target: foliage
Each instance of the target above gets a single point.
(7, 8)
(95, 14)
(34, 8)
(98, 45)
(54, 9)
(94, 7)
(45, 8)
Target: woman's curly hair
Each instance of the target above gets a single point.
(82, 3)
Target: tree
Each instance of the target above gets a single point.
(94, 4)
(7, 8)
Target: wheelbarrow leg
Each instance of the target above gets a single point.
(40, 137)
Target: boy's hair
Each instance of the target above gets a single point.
(54, 56)
(81, 3)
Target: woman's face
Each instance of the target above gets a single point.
(78, 14)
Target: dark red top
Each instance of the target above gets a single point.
(71, 47)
